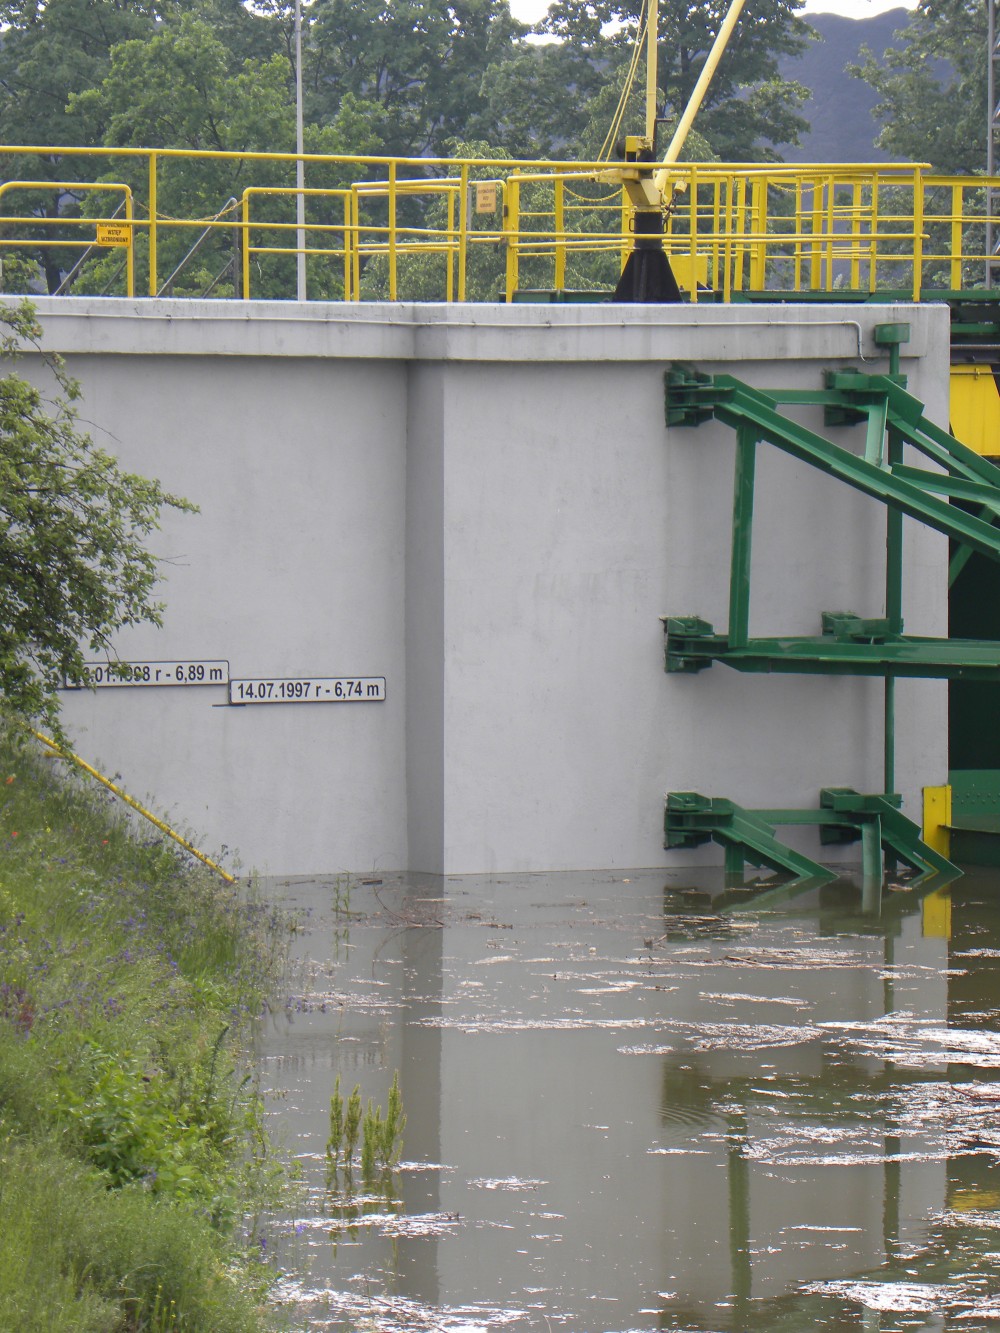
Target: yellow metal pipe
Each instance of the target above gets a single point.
(154, 282)
(652, 21)
(130, 801)
(700, 89)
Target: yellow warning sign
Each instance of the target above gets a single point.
(485, 196)
(114, 233)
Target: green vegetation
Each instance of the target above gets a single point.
(932, 89)
(381, 1139)
(132, 1150)
(72, 532)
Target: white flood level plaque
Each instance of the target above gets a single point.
(311, 690)
(106, 674)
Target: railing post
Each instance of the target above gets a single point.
(449, 253)
(245, 214)
(356, 241)
(856, 205)
(154, 285)
(392, 230)
(463, 230)
(918, 232)
(741, 246)
(238, 288)
(758, 224)
(693, 230)
(727, 252)
(347, 245)
(957, 204)
(815, 230)
(511, 225)
(130, 254)
(560, 225)
(873, 242)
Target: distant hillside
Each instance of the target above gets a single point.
(840, 110)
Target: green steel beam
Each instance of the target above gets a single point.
(692, 645)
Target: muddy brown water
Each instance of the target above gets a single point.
(637, 1102)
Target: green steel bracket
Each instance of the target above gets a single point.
(848, 646)
(685, 390)
(844, 815)
(691, 820)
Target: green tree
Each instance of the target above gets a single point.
(74, 567)
(422, 64)
(932, 89)
(563, 93)
(50, 49)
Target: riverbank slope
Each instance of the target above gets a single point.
(131, 1142)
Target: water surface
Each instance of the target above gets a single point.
(639, 1102)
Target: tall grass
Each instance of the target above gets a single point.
(131, 1139)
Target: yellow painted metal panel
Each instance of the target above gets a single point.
(937, 819)
(689, 270)
(975, 408)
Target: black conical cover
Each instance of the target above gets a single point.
(647, 276)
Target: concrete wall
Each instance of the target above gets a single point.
(482, 505)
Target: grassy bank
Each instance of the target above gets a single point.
(131, 1145)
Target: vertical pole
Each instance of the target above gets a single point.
(300, 166)
(739, 576)
(356, 243)
(856, 237)
(237, 264)
(871, 866)
(957, 209)
(449, 253)
(693, 231)
(130, 253)
(511, 224)
(918, 232)
(348, 247)
(154, 286)
(560, 224)
(246, 245)
(734, 863)
(893, 594)
(392, 230)
(991, 38)
(463, 230)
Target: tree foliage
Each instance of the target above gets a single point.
(932, 89)
(74, 567)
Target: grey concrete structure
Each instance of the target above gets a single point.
(482, 505)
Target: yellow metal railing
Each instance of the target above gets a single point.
(384, 228)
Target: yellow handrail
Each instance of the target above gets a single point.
(758, 227)
(130, 801)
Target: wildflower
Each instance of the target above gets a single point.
(10, 779)
(13, 833)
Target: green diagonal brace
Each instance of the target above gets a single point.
(738, 405)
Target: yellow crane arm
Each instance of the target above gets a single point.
(699, 91)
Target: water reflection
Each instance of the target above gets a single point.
(638, 1106)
